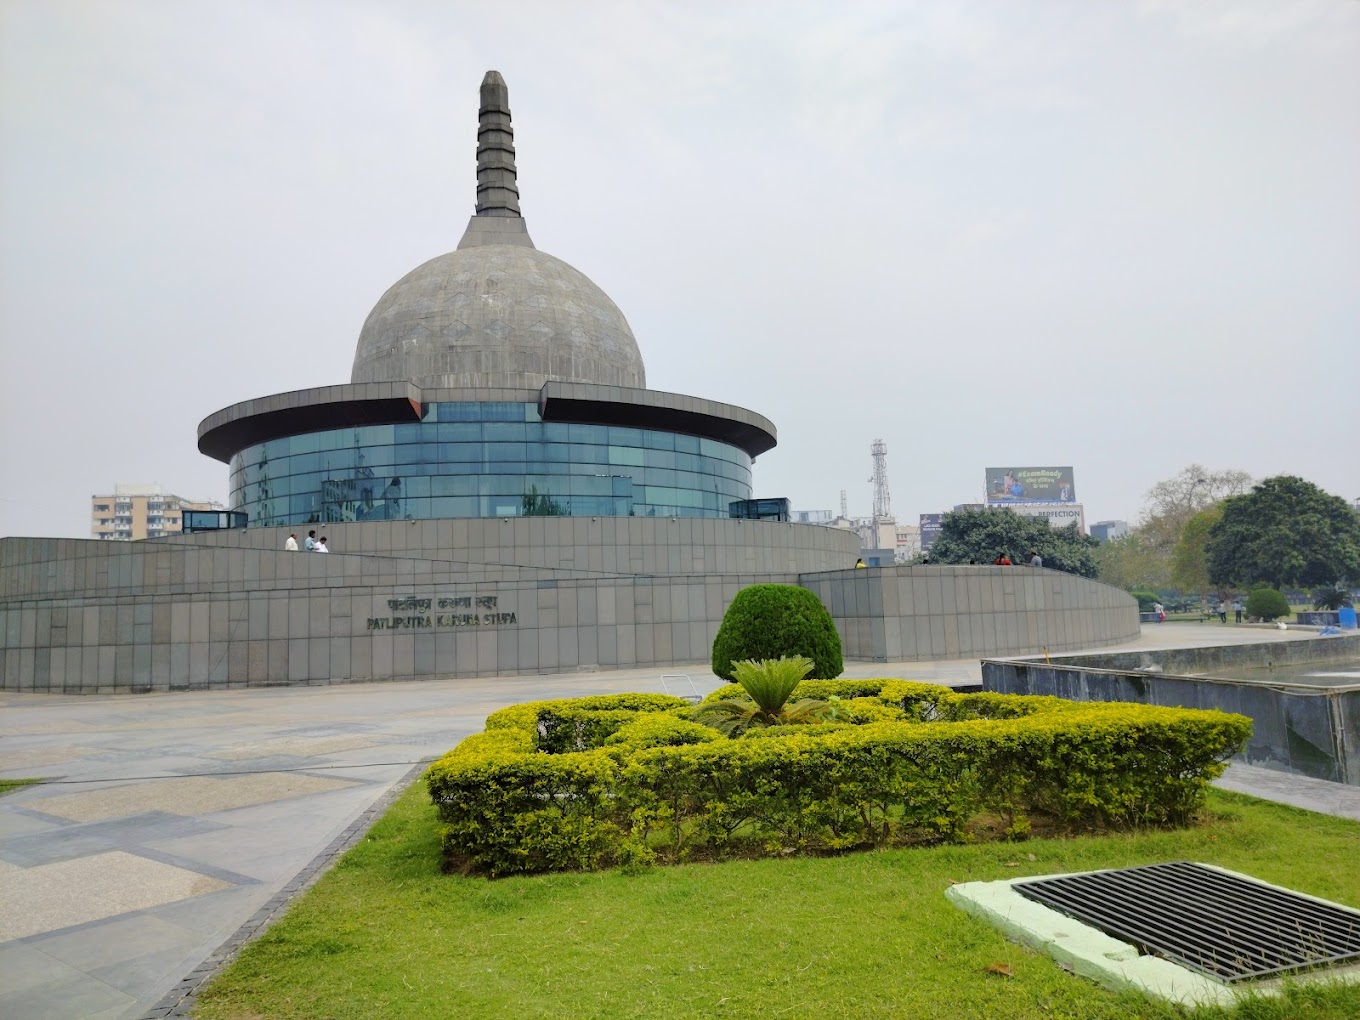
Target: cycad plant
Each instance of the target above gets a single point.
(1335, 596)
(769, 683)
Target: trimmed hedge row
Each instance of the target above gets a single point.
(590, 783)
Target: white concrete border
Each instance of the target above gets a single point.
(1108, 961)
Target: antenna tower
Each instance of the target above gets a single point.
(844, 512)
(882, 501)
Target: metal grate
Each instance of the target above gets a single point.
(1226, 926)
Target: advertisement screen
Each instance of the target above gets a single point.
(1030, 485)
(930, 529)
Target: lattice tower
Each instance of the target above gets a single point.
(882, 501)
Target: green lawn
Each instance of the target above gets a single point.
(10, 785)
(384, 934)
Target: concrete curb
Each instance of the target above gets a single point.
(178, 1003)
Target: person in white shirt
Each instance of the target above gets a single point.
(321, 545)
(310, 543)
(1035, 560)
(291, 544)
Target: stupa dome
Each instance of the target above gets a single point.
(496, 312)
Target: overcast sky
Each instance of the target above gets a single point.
(1121, 236)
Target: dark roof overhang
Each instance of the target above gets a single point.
(232, 429)
(590, 404)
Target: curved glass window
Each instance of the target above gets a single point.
(485, 460)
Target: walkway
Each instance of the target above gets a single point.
(175, 817)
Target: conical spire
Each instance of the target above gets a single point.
(497, 219)
(497, 193)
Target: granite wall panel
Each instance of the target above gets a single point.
(322, 620)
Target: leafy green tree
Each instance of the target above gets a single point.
(1131, 563)
(1189, 564)
(536, 504)
(1286, 532)
(1266, 604)
(980, 536)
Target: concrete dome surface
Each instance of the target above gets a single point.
(497, 315)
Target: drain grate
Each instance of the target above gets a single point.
(1226, 926)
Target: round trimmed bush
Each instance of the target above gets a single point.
(772, 621)
(1267, 604)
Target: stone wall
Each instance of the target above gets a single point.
(232, 610)
(1302, 728)
(596, 545)
(892, 614)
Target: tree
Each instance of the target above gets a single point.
(979, 536)
(536, 504)
(1189, 564)
(1146, 558)
(1286, 533)
(1131, 563)
(1172, 502)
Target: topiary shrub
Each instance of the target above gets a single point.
(774, 621)
(1266, 604)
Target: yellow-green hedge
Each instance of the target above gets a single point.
(592, 782)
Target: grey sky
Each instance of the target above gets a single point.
(1124, 237)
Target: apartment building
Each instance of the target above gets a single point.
(141, 511)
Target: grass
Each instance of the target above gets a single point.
(10, 785)
(384, 934)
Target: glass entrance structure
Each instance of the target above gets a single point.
(485, 459)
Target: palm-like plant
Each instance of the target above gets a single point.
(769, 684)
(1332, 597)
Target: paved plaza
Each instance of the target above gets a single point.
(172, 819)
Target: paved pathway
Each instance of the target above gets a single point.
(177, 817)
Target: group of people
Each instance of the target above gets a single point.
(1222, 610)
(1002, 560)
(311, 544)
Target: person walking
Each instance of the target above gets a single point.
(859, 564)
(1160, 610)
(320, 545)
(310, 543)
(1237, 610)
(1222, 611)
(291, 544)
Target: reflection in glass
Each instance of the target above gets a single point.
(485, 460)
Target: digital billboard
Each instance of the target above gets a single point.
(1030, 485)
(930, 529)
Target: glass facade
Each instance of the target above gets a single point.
(485, 460)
